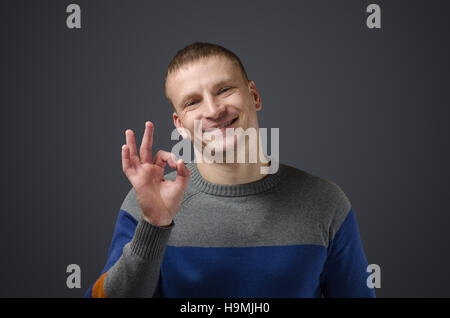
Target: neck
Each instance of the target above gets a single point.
(231, 173)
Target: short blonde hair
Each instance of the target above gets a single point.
(199, 50)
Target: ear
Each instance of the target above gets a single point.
(255, 94)
(179, 125)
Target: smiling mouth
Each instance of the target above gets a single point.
(231, 122)
(225, 125)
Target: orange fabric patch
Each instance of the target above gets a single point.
(98, 291)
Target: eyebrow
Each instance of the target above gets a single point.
(192, 95)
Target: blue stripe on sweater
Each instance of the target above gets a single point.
(269, 271)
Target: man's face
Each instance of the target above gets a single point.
(213, 90)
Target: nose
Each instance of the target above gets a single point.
(214, 109)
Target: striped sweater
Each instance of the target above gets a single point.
(290, 234)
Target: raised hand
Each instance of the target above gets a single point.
(159, 199)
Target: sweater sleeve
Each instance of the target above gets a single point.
(344, 273)
(134, 259)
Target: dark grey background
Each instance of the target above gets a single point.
(365, 108)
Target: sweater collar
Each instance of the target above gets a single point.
(264, 184)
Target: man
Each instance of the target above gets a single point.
(212, 229)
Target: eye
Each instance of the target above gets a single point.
(223, 90)
(191, 103)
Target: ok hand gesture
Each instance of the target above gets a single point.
(159, 199)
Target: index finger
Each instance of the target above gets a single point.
(147, 142)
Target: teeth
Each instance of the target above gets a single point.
(226, 124)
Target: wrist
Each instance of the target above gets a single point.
(158, 221)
